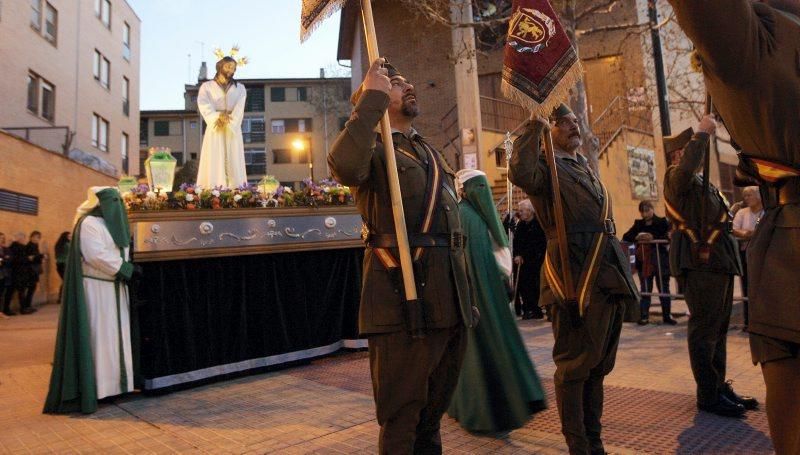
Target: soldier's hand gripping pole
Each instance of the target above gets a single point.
(570, 303)
(413, 306)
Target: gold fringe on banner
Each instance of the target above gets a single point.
(559, 94)
(316, 11)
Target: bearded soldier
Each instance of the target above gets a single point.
(585, 346)
(412, 379)
(750, 55)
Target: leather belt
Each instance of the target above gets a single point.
(454, 240)
(608, 227)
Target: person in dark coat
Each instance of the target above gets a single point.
(29, 272)
(15, 254)
(5, 273)
(412, 379)
(704, 256)
(652, 261)
(530, 246)
(749, 55)
(587, 332)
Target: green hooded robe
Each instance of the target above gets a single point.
(72, 381)
(498, 389)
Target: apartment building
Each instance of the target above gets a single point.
(288, 127)
(71, 79)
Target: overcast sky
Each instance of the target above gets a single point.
(267, 31)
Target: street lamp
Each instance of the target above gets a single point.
(301, 144)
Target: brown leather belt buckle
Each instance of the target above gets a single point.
(609, 227)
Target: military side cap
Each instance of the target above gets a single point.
(679, 141)
(392, 72)
(561, 111)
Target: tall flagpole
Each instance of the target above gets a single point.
(409, 286)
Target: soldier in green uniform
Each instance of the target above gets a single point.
(750, 54)
(585, 346)
(704, 258)
(412, 379)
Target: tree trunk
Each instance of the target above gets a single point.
(577, 99)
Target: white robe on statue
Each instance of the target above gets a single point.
(222, 156)
(101, 259)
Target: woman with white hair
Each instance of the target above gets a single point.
(530, 246)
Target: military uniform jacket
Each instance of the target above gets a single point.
(683, 189)
(582, 200)
(357, 159)
(751, 60)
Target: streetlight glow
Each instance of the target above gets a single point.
(298, 144)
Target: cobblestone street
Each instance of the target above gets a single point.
(326, 406)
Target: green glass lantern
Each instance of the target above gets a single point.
(269, 185)
(160, 166)
(126, 183)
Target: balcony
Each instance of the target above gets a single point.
(499, 116)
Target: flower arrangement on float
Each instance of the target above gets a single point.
(194, 197)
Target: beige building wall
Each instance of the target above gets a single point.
(59, 191)
(67, 64)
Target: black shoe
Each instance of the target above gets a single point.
(28, 310)
(643, 321)
(723, 407)
(9, 313)
(748, 402)
(670, 321)
(527, 315)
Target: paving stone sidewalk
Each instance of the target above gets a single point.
(326, 406)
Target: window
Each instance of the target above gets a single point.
(253, 130)
(143, 132)
(41, 97)
(101, 68)
(277, 94)
(33, 93)
(281, 156)
(193, 156)
(255, 99)
(193, 124)
(123, 150)
(36, 14)
(302, 94)
(126, 41)
(291, 125)
(161, 128)
(125, 92)
(278, 127)
(255, 161)
(50, 23)
(100, 132)
(48, 101)
(20, 203)
(102, 10)
(301, 125)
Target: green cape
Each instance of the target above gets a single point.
(498, 389)
(72, 382)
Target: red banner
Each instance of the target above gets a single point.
(540, 65)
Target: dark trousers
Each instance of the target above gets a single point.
(745, 307)
(412, 382)
(527, 280)
(709, 296)
(26, 296)
(583, 358)
(646, 285)
(9, 296)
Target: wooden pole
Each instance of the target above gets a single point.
(558, 215)
(706, 174)
(391, 167)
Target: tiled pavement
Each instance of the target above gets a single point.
(326, 407)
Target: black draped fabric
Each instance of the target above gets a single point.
(199, 313)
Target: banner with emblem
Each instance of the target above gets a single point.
(540, 65)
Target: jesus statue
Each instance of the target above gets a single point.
(221, 103)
